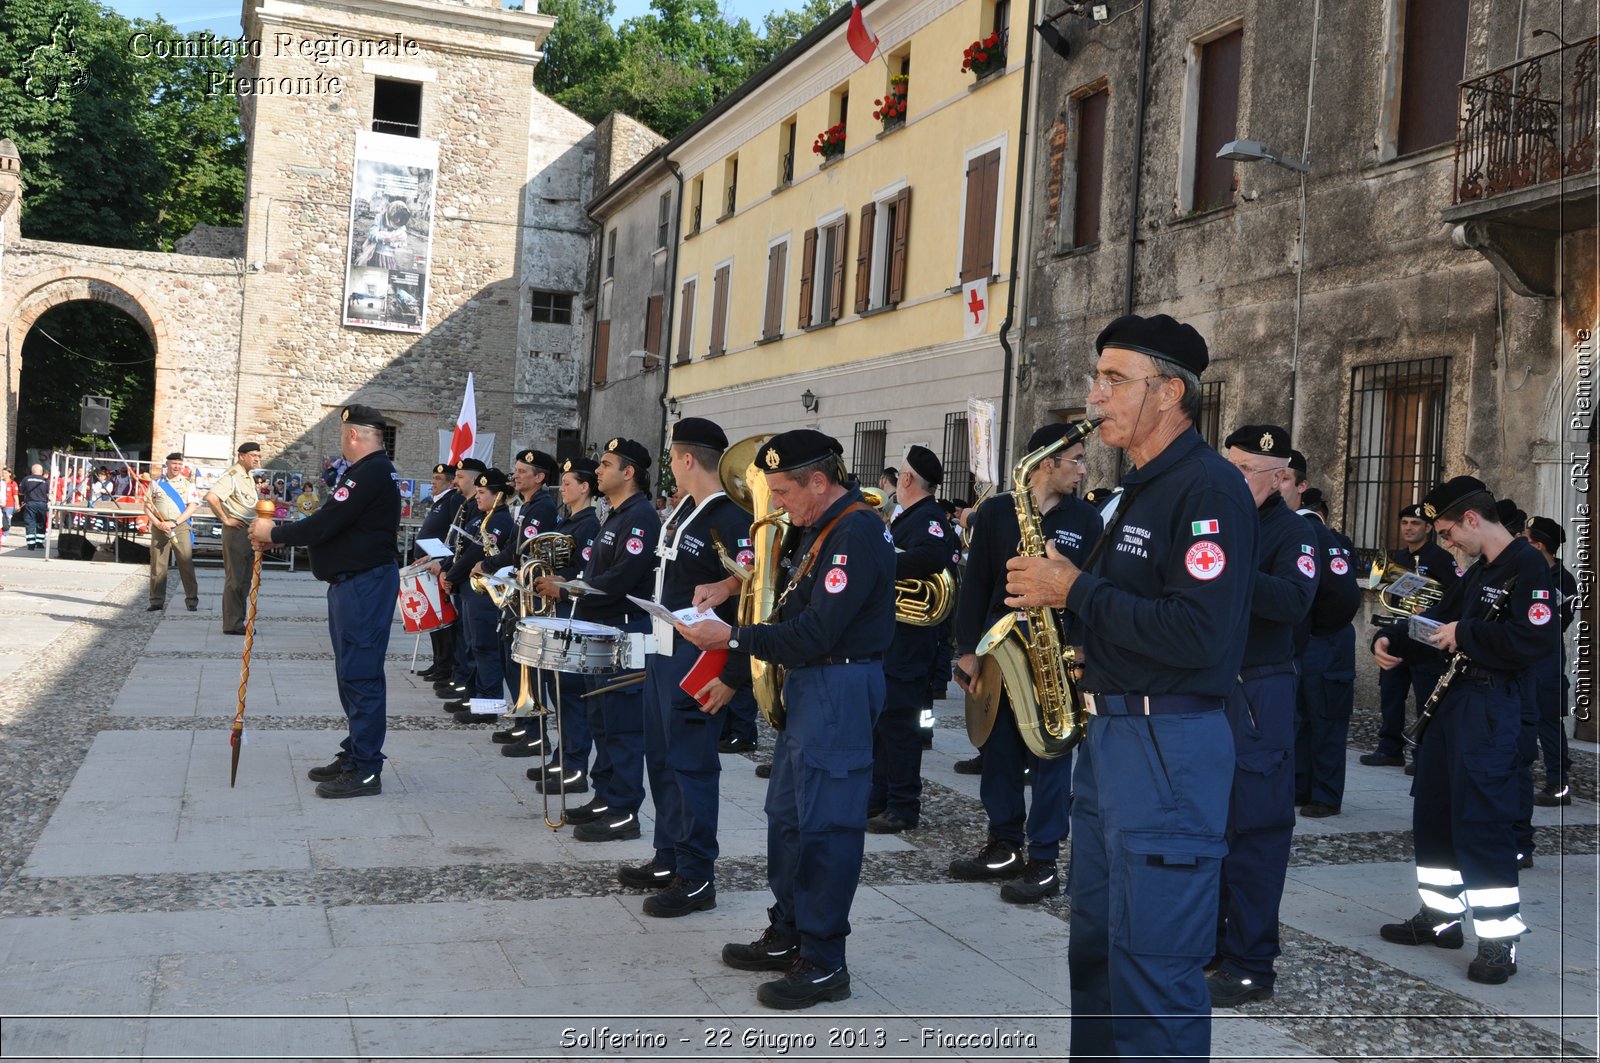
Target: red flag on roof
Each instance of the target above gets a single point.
(862, 40)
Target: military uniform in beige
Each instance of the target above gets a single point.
(178, 541)
(236, 491)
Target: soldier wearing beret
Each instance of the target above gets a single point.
(492, 527)
(1074, 527)
(1165, 602)
(1419, 554)
(1501, 618)
(459, 683)
(436, 525)
(352, 545)
(169, 504)
(1551, 687)
(830, 629)
(925, 545)
(233, 499)
(622, 562)
(1261, 710)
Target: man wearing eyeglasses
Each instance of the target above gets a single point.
(1261, 713)
(1164, 600)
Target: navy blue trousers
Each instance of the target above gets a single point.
(897, 750)
(1325, 701)
(360, 615)
(1551, 691)
(461, 670)
(616, 722)
(1149, 812)
(1011, 819)
(35, 515)
(563, 693)
(680, 757)
(1393, 686)
(817, 804)
(480, 625)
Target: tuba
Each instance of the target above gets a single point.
(1034, 666)
(546, 553)
(771, 537)
(1402, 592)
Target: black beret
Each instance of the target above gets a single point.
(249, 448)
(471, 465)
(1414, 511)
(1268, 440)
(357, 414)
(1548, 532)
(1044, 435)
(1312, 498)
(790, 450)
(1512, 518)
(538, 459)
(926, 464)
(493, 479)
(580, 467)
(699, 432)
(176, 455)
(630, 451)
(1297, 462)
(1160, 336)
(443, 469)
(1453, 493)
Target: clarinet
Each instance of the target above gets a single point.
(1458, 659)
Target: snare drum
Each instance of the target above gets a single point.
(423, 604)
(578, 646)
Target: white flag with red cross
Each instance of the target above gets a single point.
(975, 307)
(466, 432)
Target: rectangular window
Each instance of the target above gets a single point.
(1395, 444)
(389, 435)
(957, 459)
(730, 186)
(777, 276)
(602, 350)
(686, 322)
(569, 444)
(786, 142)
(822, 274)
(719, 310)
(978, 227)
(1216, 118)
(872, 438)
(697, 192)
(663, 220)
(397, 107)
(1002, 18)
(652, 327)
(881, 251)
(611, 254)
(1433, 60)
(552, 308)
(839, 107)
(1210, 425)
(1089, 164)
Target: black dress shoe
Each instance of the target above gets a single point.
(528, 747)
(736, 745)
(1425, 928)
(588, 813)
(888, 823)
(1553, 796)
(1318, 810)
(574, 782)
(1039, 879)
(996, 860)
(805, 984)
(155, 607)
(1382, 760)
(1411, 769)
(351, 784)
(764, 771)
(1229, 990)
(970, 766)
(646, 876)
(339, 766)
(681, 898)
(192, 606)
(769, 952)
(610, 828)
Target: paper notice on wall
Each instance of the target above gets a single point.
(980, 440)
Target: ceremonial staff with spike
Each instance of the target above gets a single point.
(264, 512)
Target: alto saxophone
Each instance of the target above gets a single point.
(1026, 644)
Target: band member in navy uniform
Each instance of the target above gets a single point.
(34, 493)
(829, 629)
(1501, 616)
(533, 511)
(622, 563)
(1261, 711)
(568, 769)
(436, 525)
(459, 684)
(925, 544)
(1074, 527)
(352, 542)
(1165, 603)
(681, 732)
(1551, 686)
(480, 620)
(1426, 558)
(1325, 645)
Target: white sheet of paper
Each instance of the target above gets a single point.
(434, 548)
(667, 616)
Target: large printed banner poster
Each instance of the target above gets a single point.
(391, 232)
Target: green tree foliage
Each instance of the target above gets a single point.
(117, 150)
(79, 349)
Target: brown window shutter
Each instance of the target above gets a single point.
(897, 258)
(772, 319)
(652, 328)
(1090, 168)
(983, 189)
(1431, 67)
(808, 265)
(1218, 120)
(836, 282)
(719, 311)
(686, 322)
(869, 216)
(602, 350)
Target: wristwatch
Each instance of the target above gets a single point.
(733, 639)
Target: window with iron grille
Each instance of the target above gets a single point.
(554, 308)
(1210, 425)
(957, 458)
(872, 438)
(396, 107)
(1395, 446)
(388, 440)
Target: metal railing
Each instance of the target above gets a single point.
(733, 199)
(788, 167)
(1527, 123)
(399, 129)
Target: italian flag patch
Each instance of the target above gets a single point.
(839, 559)
(1304, 549)
(1541, 594)
(1204, 527)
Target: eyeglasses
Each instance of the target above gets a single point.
(1100, 382)
(1080, 462)
(1253, 472)
(1442, 530)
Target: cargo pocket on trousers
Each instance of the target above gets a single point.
(1169, 893)
(834, 785)
(1263, 791)
(1489, 789)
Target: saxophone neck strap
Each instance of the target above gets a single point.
(1115, 524)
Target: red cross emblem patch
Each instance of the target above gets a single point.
(746, 558)
(341, 494)
(1339, 565)
(835, 581)
(1205, 560)
(1308, 567)
(413, 604)
(934, 529)
(1539, 614)
(635, 545)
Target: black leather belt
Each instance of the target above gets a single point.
(1261, 671)
(820, 661)
(1479, 674)
(1149, 704)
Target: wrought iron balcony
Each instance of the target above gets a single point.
(1527, 124)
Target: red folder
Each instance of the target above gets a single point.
(707, 668)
